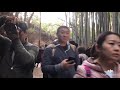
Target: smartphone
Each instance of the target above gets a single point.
(71, 59)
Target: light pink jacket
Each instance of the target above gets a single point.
(96, 70)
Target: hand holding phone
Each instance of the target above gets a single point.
(67, 63)
(71, 60)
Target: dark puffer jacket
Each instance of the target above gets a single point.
(51, 64)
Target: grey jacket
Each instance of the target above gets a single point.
(17, 61)
(51, 64)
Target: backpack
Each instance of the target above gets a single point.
(53, 48)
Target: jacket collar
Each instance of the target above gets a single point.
(56, 43)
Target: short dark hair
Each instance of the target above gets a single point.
(81, 50)
(74, 43)
(62, 27)
(101, 38)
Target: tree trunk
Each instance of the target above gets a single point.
(108, 16)
(81, 28)
(66, 18)
(25, 16)
(105, 23)
(116, 22)
(30, 17)
(97, 24)
(93, 28)
(86, 36)
(76, 28)
(69, 20)
(100, 21)
(16, 14)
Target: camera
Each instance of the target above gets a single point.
(71, 59)
(8, 26)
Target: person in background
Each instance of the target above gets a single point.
(82, 56)
(73, 42)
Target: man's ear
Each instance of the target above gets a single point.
(97, 47)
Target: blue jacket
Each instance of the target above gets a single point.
(51, 64)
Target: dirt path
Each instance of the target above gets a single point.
(37, 73)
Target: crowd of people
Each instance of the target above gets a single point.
(63, 58)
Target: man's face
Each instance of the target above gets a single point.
(63, 35)
(23, 36)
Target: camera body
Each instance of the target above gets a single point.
(8, 26)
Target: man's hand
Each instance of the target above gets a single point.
(66, 64)
(12, 19)
(12, 36)
(11, 28)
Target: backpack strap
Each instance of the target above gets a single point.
(53, 48)
(73, 47)
(88, 71)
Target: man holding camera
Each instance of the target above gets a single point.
(17, 55)
(60, 58)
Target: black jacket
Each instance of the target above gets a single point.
(22, 64)
(51, 64)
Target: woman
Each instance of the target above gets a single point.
(106, 64)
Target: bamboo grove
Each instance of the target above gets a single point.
(86, 26)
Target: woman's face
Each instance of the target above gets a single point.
(111, 48)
